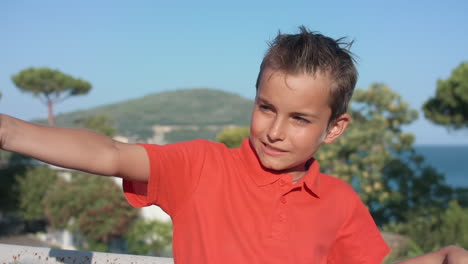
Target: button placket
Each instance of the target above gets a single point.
(282, 210)
(280, 224)
(280, 218)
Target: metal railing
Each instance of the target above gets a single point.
(13, 254)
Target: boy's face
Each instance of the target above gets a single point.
(290, 118)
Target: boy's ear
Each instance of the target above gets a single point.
(337, 128)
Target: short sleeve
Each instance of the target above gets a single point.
(175, 170)
(358, 240)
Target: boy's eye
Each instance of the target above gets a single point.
(301, 120)
(264, 107)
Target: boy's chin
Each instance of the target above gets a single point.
(296, 171)
(276, 168)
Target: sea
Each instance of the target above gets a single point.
(452, 161)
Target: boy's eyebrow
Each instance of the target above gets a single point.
(262, 100)
(305, 115)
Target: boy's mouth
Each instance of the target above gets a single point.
(272, 151)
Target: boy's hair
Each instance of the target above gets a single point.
(310, 53)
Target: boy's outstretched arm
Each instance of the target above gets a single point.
(75, 149)
(446, 255)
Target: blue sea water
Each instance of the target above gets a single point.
(452, 161)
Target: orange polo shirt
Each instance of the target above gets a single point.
(226, 209)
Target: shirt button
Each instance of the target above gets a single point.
(282, 182)
(283, 200)
(281, 217)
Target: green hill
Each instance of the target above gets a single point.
(204, 108)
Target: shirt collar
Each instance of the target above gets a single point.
(262, 176)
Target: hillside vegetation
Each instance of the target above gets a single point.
(199, 107)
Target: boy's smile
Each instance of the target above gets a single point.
(290, 118)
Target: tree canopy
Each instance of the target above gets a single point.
(377, 158)
(232, 137)
(92, 205)
(33, 185)
(50, 86)
(149, 237)
(100, 123)
(430, 232)
(449, 106)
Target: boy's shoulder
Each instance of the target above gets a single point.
(207, 145)
(336, 187)
(194, 150)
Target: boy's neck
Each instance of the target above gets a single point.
(297, 176)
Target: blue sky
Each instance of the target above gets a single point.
(128, 49)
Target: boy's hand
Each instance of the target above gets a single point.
(456, 255)
(446, 255)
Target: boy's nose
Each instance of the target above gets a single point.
(277, 131)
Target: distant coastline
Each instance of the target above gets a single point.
(451, 160)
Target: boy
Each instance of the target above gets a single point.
(265, 202)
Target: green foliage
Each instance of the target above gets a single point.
(454, 227)
(100, 123)
(203, 107)
(12, 166)
(232, 137)
(377, 158)
(92, 205)
(408, 250)
(431, 231)
(188, 134)
(97, 246)
(150, 237)
(416, 188)
(33, 186)
(449, 107)
(51, 86)
(8, 195)
(369, 143)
